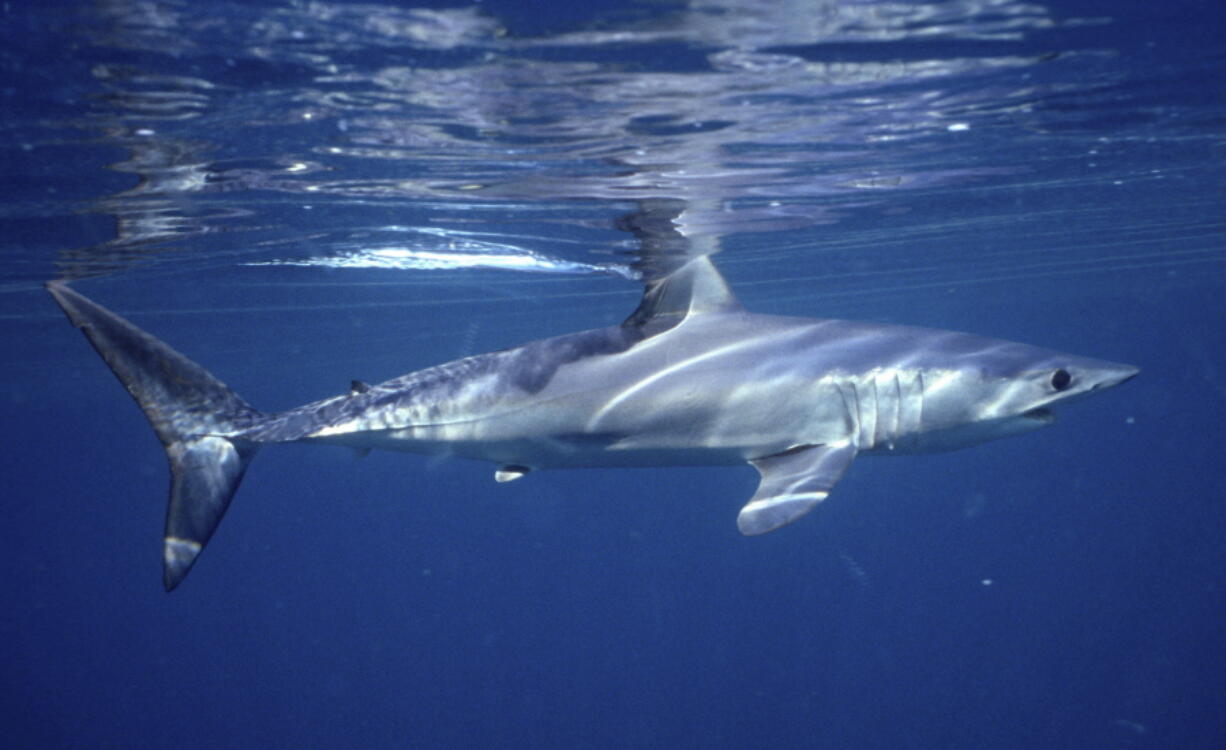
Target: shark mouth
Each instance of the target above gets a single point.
(1042, 414)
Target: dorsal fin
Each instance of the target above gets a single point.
(695, 288)
(358, 386)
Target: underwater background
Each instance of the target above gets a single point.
(298, 194)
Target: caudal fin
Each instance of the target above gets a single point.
(193, 413)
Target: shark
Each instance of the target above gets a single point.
(689, 378)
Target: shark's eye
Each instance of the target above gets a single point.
(1060, 379)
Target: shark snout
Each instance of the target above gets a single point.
(1109, 377)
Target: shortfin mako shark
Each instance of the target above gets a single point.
(690, 378)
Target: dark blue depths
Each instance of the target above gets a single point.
(1060, 589)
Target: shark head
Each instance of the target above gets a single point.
(994, 389)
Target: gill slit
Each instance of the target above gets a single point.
(897, 409)
(852, 429)
(855, 388)
(876, 413)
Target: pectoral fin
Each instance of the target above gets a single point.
(792, 483)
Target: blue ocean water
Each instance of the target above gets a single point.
(298, 194)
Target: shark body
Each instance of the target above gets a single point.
(690, 378)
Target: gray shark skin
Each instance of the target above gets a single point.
(690, 378)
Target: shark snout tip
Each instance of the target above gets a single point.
(1118, 376)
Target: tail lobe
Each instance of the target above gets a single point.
(194, 414)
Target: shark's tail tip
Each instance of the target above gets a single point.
(178, 557)
(60, 291)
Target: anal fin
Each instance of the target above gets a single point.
(793, 482)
